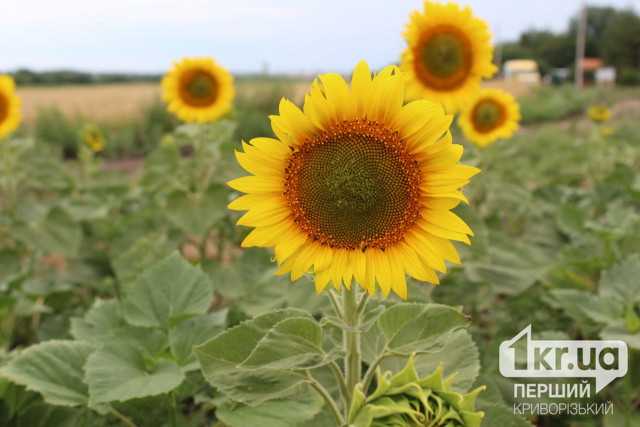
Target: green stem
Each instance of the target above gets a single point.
(327, 397)
(372, 370)
(344, 392)
(172, 408)
(334, 303)
(351, 340)
(122, 418)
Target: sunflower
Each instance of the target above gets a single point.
(357, 186)
(198, 90)
(493, 114)
(599, 113)
(93, 137)
(447, 56)
(10, 115)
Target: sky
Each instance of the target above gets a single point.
(246, 36)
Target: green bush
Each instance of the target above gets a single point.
(555, 103)
(629, 77)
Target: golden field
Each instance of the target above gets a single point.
(116, 102)
(113, 103)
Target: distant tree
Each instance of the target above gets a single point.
(611, 34)
(621, 41)
(547, 49)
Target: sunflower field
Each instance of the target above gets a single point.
(372, 258)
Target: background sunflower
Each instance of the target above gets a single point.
(492, 115)
(448, 54)
(10, 115)
(198, 90)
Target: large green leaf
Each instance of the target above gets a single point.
(221, 359)
(192, 332)
(168, 293)
(500, 415)
(120, 371)
(53, 369)
(56, 233)
(459, 356)
(140, 255)
(273, 413)
(294, 343)
(412, 328)
(9, 264)
(102, 319)
(514, 266)
(587, 307)
(251, 283)
(621, 282)
(104, 323)
(196, 213)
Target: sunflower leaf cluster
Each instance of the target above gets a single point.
(406, 400)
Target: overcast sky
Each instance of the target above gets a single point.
(244, 35)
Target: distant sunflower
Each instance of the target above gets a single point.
(93, 137)
(492, 115)
(447, 56)
(10, 115)
(198, 90)
(356, 185)
(599, 113)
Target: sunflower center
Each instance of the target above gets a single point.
(354, 186)
(487, 115)
(443, 57)
(198, 88)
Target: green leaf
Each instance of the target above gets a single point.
(571, 219)
(294, 343)
(196, 213)
(514, 266)
(39, 414)
(56, 233)
(130, 263)
(85, 209)
(459, 356)
(620, 331)
(621, 282)
(9, 264)
(104, 323)
(273, 413)
(220, 359)
(585, 306)
(251, 282)
(102, 319)
(53, 369)
(193, 332)
(419, 327)
(168, 293)
(499, 415)
(120, 371)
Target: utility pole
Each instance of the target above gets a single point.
(580, 41)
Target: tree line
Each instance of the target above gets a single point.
(611, 35)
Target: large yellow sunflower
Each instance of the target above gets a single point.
(198, 90)
(357, 186)
(492, 115)
(10, 115)
(447, 56)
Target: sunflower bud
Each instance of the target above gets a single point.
(406, 400)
